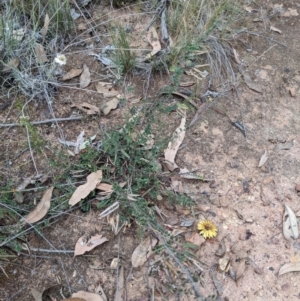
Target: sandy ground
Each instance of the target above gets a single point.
(245, 201)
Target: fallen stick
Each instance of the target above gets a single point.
(2, 125)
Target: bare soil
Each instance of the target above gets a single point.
(244, 201)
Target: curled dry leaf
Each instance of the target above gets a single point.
(87, 108)
(224, 264)
(18, 191)
(106, 89)
(84, 190)
(217, 283)
(120, 290)
(37, 295)
(153, 39)
(45, 28)
(12, 64)
(72, 73)
(109, 105)
(289, 267)
(240, 269)
(83, 245)
(171, 151)
(142, 252)
(222, 248)
(249, 82)
(275, 29)
(195, 238)
(41, 209)
(82, 26)
(290, 224)
(236, 56)
(81, 295)
(85, 77)
(40, 53)
(263, 159)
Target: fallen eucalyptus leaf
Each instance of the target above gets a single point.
(275, 29)
(120, 289)
(222, 248)
(106, 89)
(79, 141)
(37, 295)
(173, 146)
(153, 39)
(263, 159)
(289, 267)
(84, 190)
(240, 269)
(40, 53)
(41, 209)
(45, 28)
(12, 64)
(284, 146)
(249, 82)
(85, 77)
(290, 224)
(85, 296)
(109, 105)
(72, 73)
(224, 264)
(87, 108)
(142, 252)
(83, 245)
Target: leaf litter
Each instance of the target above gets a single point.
(41, 209)
(290, 224)
(83, 245)
(84, 190)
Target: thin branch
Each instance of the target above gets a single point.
(42, 121)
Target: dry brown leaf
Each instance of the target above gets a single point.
(85, 77)
(195, 238)
(81, 295)
(18, 191)
(240, 269)
(82, 26)
(171, 151)
(105, 187)
(222, 248)
(263, 159)
(236, 56)
(40, 53)
(109, 105)
(74, 299)
(12, 64)
(247, 8)
(224, 264)
(120, 290)
(84, 190)
(41, 209)
(249, 82)
(275, 29)
(289, 267)
(290, 12)
(83, 245)
(290, 224)
(87, 108)
(142, 252)
(153, 39)
(37, 295)
(45, 28)
(106, 89)
(72, 73)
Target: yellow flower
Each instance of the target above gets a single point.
(207, 229)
